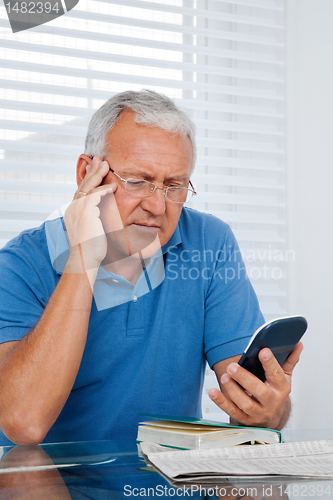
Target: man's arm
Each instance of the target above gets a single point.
(37, 373)
(248, 400)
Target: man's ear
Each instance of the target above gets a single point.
(81, 167)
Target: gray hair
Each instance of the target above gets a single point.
(151, 109)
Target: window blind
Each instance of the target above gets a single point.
(222, 61)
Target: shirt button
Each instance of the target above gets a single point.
(116, 281)
(135, 298)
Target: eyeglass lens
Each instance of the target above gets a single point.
(146, 188)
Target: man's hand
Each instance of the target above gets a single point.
(248, 400)
(85, 232)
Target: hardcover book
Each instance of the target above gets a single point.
(190, 433)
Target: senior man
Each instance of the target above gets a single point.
(114, 310)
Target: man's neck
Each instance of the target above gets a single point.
(129, 268)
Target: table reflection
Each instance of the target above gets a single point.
(42, 483)
(30, 473)
(103, 470)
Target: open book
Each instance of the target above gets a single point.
(190, 433)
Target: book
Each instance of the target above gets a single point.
(197, 434)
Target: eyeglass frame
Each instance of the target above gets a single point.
(165, 189)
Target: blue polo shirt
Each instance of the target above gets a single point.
(147, 345)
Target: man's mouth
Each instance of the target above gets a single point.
(146, 226)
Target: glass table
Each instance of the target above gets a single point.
(113, 469)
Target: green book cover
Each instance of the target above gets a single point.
(202, 421)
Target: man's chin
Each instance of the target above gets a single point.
(133, 241)
(142, 239)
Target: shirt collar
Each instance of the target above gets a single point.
(176, 239)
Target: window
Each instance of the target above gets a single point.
(223, 61)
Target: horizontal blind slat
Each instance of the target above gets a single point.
(39, 107)
(162, 82)
(266, 5)
(38, 187)
(249, 218)
(44, 128)
(137, 60)
(53, 147)
(187, 11)
(183, 48)
(239, 127)
(142, 23)
(240, 181)
(237, 199)
(235, 163)
(237, 145)
(38, 167)
(65, 168)
(86, 112)
(45, 208)
(41, 147)
(201, 124)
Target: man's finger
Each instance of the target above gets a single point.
(273, 371)
(245, 389)
(226, 405)
(94, 196)
(99, 169)
(105, 189)
(243, 377)
(292, 360)
(95, 177)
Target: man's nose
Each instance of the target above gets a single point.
(155, 204)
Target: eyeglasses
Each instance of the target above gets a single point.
(141, 187)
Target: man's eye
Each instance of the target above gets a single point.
(135, 182)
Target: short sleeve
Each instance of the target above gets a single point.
(26, 283)
(232, 312)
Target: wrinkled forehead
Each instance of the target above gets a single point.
(142, 145)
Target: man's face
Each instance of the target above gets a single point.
(152, 154)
